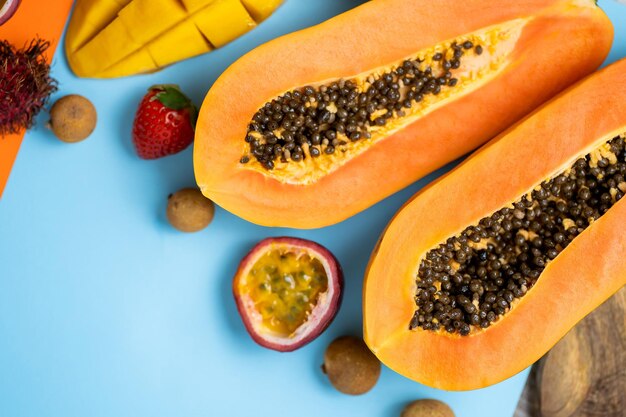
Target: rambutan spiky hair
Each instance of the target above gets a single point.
(25, 84)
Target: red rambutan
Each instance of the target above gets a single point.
(25, 84)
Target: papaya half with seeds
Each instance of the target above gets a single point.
(481, 273)
(318, 125)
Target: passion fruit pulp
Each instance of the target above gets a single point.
(287, 291)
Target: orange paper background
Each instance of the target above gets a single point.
(43, 18)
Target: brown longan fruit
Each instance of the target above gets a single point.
(427, 408)
(350, 366)
(189, 211)
(72, 118)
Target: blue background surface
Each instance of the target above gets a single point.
(105, 310)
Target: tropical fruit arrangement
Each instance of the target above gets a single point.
(479, 274)
(115, 38)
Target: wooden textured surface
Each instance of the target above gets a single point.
(584, 375)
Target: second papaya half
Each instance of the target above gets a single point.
(313, 127)
(482, 273)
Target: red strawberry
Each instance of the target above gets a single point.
(164, 123)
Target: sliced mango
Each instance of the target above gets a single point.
(261, 9)
(147, 19)
(94, 16)
(114, 38)
(181, 42)
(195, 5)
(108, 47)
(223, 20)
(138, 61)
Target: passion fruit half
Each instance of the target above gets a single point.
(287, 291)
(7, 9)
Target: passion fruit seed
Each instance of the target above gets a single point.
(350, 366)
(317, 121)
(427, 408)
(285, 287)
(72, 118)
(474, 278)
(189, 211)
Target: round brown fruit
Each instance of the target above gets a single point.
(72, 118)
(189, 211)
(8, 9)
(427, 408)
(351, 367)
(287, 291)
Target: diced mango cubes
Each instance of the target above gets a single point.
(183, 41)
(109, 46)
(193, 6)
(147, 19)
(93, 18)
(114, 38)
(223, 20)
(261, 9)
(139, 61)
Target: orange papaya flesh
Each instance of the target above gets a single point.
(515, 72)
(557, 176)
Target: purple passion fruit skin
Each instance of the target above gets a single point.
(8, 9)
(288, 291)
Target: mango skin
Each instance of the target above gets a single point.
(116, 38)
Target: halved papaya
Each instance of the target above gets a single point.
(481, 273)
(318, 125)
